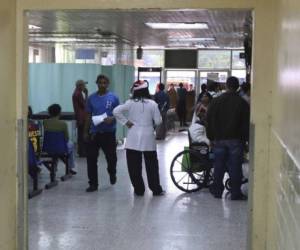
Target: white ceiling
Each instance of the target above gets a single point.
(104, 28)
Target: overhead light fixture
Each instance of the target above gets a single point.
(200, 46)
(214, 47)
(180, 45)
(153, 47)
(55, 40)
(175, 36)
(193, 39)
(70, 39)
(177, 25)
(33, 27)
(237, 48)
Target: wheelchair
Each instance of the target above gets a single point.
(192, 169)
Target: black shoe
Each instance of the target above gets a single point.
(81, 155)
(217, 196)
(91, 189)
(161, 193)
(240, 197)
(113, 179)
(38, 169)
(138, 194)
(72, 172)
(214, 193)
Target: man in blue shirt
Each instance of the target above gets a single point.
(102, 135)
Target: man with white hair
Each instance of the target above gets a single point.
(198, 132)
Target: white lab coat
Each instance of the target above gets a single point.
(144, 114)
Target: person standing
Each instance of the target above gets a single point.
(203, 92)
(102, 135)
(142, 114)
(181, 104)
(228, 129)
(79, 98)
(172, 96)
(163, 101)
(245, 92)
(201, 108)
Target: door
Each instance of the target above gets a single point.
(189, 80)
(214, 75)
(218, 76)
(152, 75)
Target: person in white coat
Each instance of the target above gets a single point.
(142, 114)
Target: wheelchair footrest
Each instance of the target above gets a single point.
(51, 184)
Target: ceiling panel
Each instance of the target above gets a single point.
(228, 27)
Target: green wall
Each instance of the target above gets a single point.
(55, 83)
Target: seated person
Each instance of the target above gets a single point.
(201, 108)
(198, 132)
(56, 125)
(34, 134)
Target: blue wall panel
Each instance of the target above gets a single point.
(55, 83)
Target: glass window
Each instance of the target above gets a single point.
(237, 62)
(240, 74)
(214, 59)
(218, 76)
(186, 77)
(153, 79)
(151, 58)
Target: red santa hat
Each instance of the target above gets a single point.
(139, 85)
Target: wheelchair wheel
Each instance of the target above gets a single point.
(227, 185)
(182, 173)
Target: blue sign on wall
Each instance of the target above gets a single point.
(85, 54)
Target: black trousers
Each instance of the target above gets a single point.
(134, 163)
(81, 147)
(181, 112)
(107, 142)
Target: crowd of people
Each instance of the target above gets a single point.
(221, 120)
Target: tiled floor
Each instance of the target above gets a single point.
(66, 217)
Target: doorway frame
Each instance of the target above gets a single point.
(260, 124)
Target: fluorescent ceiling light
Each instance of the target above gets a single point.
(153, 47)
(180, 45)
(181, 36)
(193, 39)
(71, 40)
(33, 27)
(53, 39)
(237, 48)
(200, 46)
(214, 47)
(177, 25)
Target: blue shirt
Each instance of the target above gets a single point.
(163, 101)
(97, 105)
